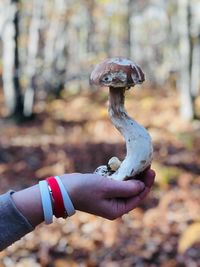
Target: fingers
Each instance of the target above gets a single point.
(119, 207)
(123, 189)
(127, 204)
(129, 188)
(147, 177)
(123, 206)
(132, 203)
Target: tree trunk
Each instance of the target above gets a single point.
(128, 28)
(186, 108)
(11, 84)
(2, 16)
(91, 27)
(32, 55)
(55, 60)
(195, 68)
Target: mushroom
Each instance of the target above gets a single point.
(120, 74)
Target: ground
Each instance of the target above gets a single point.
(74, 134)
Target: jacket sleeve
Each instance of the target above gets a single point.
(13, 225)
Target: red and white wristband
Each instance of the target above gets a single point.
(69, 208)
(55, 199)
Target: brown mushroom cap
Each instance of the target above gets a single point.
(117, 72)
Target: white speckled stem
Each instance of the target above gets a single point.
(138, 141)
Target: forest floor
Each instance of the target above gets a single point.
(74, 134)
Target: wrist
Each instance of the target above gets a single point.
(55, 199)
(30, 203)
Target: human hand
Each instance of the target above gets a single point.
(106, 197)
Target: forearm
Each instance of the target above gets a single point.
(28, 202)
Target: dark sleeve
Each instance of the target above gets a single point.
(13, 225)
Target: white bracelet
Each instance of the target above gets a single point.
(66, 199)
(46, 202)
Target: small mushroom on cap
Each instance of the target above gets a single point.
(120, 74)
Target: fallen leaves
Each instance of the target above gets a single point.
(189, 237)
(75, 135)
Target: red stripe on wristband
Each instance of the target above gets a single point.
(59, 208)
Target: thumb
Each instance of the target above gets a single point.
(123, 189)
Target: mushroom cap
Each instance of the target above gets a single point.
(117, 72)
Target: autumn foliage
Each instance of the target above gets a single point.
(74, 134)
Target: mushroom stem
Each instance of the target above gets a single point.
(138, 141)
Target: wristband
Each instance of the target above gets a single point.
(66, 199)
(59, 208)
(46, 202)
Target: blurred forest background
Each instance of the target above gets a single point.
(53, 121)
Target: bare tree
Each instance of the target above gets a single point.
(33, 44)
(189, 60)
(11, 70)
(64, 35)
(195, 48)
(55, 59)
